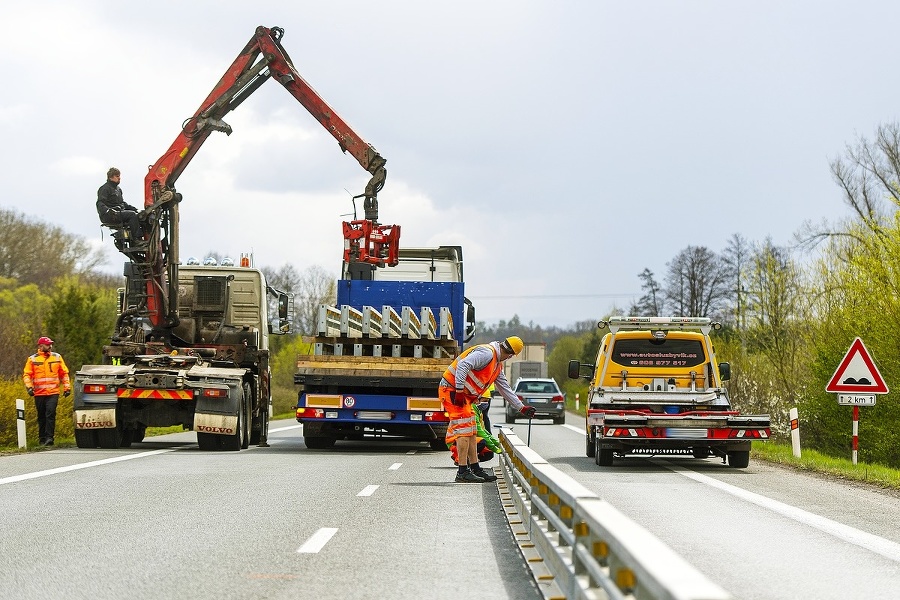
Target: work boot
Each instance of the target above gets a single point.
(468, 476)
(486, 475)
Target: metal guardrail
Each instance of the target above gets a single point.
(579, 546)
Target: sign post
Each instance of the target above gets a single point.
(856, 382)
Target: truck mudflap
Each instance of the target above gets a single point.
(215, 423)
(97, 418)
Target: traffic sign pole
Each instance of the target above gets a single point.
(855, 433)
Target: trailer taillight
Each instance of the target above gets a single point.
(755, 434)
(215, 393)
(310, 413)
(437, 416)
(96, 388)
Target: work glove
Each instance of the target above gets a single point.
(527, 411)
(31, 391)
(457, 398)
(67, 393)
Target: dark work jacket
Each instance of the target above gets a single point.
(109, 200)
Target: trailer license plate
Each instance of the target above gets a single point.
(375, 415)
(686, 433)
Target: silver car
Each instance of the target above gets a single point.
(544, 395)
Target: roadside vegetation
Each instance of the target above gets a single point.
(789, 313)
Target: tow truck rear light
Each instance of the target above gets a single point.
(749, 434)
(437, 416)
(96, 388)
(310, 413)
(557, 398)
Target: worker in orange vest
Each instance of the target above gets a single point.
(462, 384)
(44, 372)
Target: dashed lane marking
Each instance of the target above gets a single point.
(395, 466)
(368, 490)
(317, 541)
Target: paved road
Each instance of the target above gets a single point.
(763, 532)
(164, 520)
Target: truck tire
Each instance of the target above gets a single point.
(438, 444)
(86, 438)
(603, 457)
(137, 434)
(319, 442)
(245, 430)
(739, 459)
(590, 444)
(700, 452)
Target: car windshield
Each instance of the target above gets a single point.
(537, 387)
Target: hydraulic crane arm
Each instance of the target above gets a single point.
(261, 59)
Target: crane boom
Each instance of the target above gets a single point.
(156, 259)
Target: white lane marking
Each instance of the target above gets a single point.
(317, 541)
(412, 451)
(575, 429)
(876, 544)
(286, 428)
(368, 490)
(94, 463)
(395, 466)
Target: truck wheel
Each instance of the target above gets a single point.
(603, 457)
(209, 442)
(137, 434)
(86, 438)
(438, 444)
(245, 430)
(590, 446)
(739, 459)
(318, 443)
(701, 452)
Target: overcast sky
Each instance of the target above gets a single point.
(566, 145)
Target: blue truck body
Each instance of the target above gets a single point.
(366, 383)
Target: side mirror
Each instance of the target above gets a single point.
(725, 371)
(283, 306)
(574, 369)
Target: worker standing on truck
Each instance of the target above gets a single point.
(462, 384)
(114, 211)
(43, 374)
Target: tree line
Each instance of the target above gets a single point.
(789, 312)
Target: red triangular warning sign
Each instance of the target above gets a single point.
(857, 373)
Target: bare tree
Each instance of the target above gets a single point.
(651, 303)
(737, 258)
(35, 252)
(697, 283)
(311, 288)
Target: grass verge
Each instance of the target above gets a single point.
(816, 462)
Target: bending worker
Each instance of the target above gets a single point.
(464, 381)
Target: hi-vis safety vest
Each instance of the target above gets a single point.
(477, 381)
(44, 374)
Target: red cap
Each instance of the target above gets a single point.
(45, 341)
